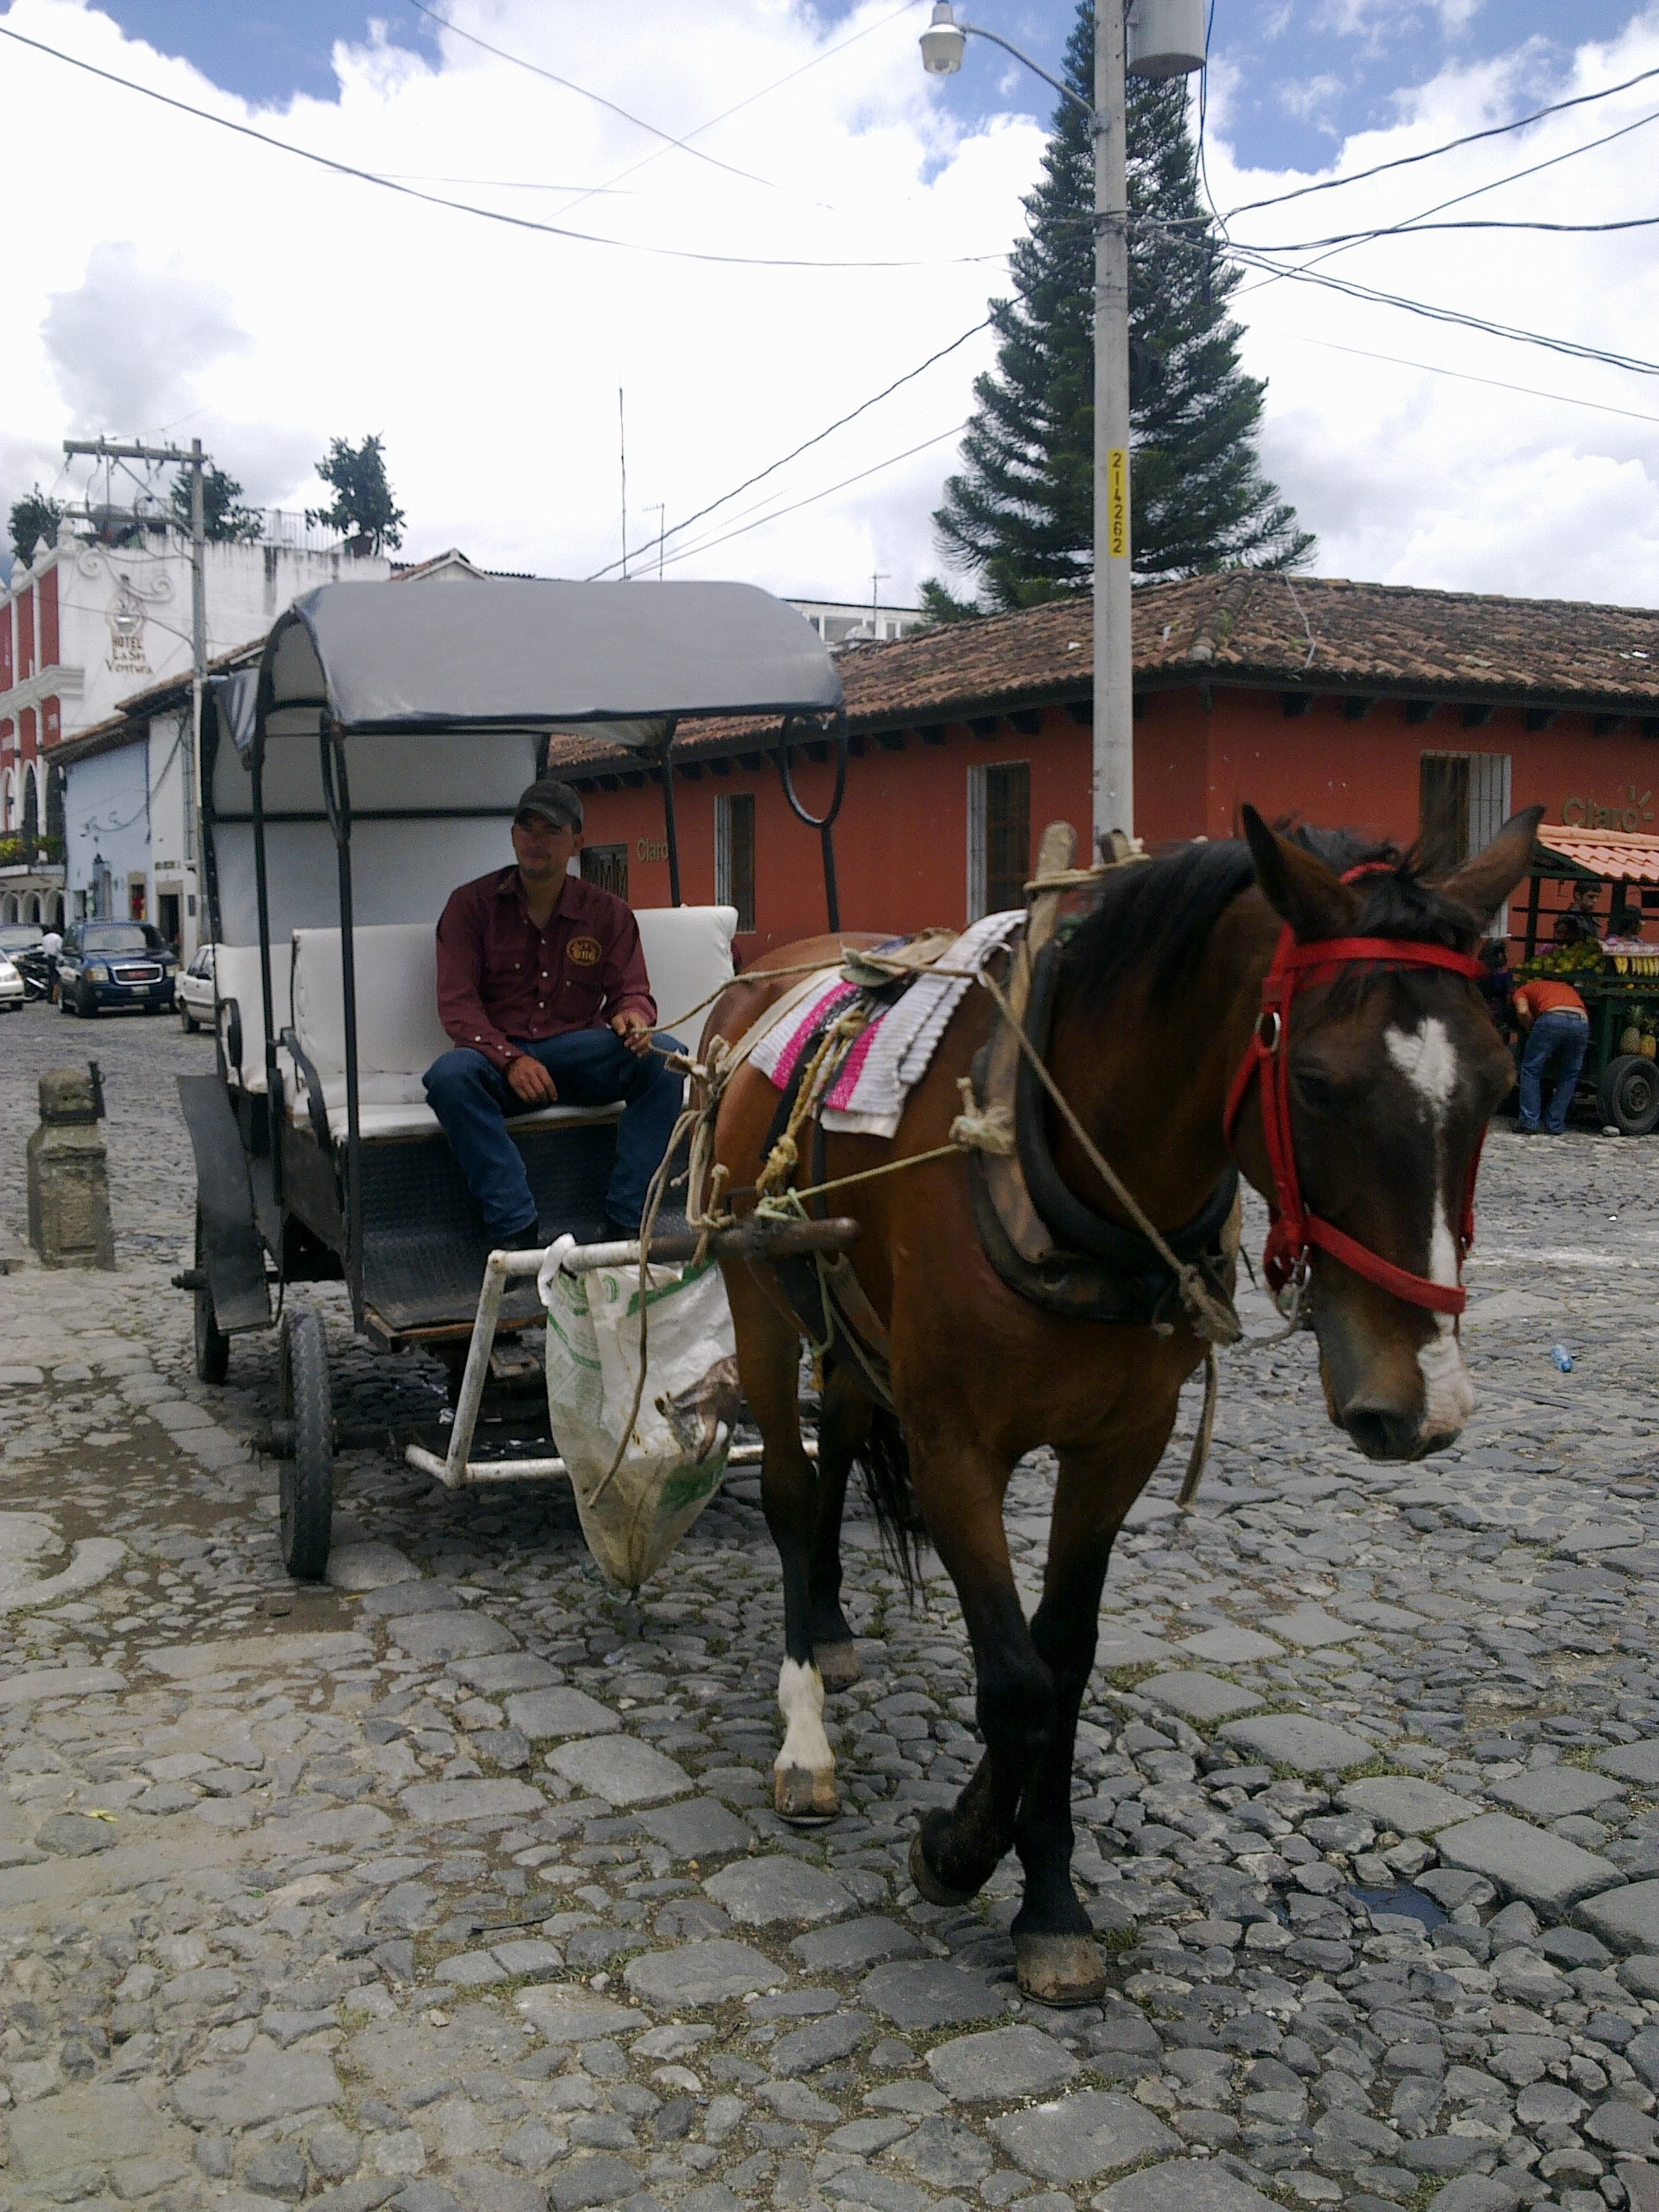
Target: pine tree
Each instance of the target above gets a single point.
(1021, 516)
(33, 520)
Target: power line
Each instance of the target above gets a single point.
(817, 438)
(465, 207)
(1462, 375)
(689, 552)
(747, 100)
(567, 84)
(1570, 347)
(1432, 153)
(1415, 227)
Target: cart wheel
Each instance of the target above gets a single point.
(307, 1471)
(1628, 1094)
(212, 1344)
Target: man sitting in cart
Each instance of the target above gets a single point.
(542, 984)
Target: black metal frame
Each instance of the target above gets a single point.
(338, 817)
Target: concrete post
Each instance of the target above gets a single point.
(68, 1180)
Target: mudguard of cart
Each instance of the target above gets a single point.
(230, 1248)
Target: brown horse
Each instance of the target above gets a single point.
(1393, 1073)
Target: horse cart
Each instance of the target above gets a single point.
(1617, 977)
(370, 763)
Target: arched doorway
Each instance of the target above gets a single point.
(54, 801)
(31, 822)
(9, 908)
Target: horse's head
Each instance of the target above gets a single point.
(1394, 1074)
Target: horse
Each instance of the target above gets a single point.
(1356, 1106)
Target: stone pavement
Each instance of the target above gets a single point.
(455, 1883)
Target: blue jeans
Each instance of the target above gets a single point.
(593, 1067)
(1557, 1042)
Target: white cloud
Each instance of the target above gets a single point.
(489, 358)
(1311, 98)
(125, 346)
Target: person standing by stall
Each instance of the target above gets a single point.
(1556, 1025)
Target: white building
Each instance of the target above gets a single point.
(837, 620)
(86, 623)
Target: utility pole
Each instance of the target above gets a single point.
(1113, 763)
(1156, 38)
(197, 463)
(878, 577)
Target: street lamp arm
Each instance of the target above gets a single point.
(978, 31)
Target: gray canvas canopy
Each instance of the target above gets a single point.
(508, 653)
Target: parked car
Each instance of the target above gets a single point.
(193, 991)
(107, 964)
(12, 993)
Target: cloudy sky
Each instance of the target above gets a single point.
(834, 221)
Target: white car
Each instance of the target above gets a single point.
(193, 992)
(11, 987)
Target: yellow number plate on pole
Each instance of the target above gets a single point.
(1117, 499)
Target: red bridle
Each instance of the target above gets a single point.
(1296, 1231)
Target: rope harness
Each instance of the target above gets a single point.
(1297, 1231)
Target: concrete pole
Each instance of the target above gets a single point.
(1114, 675)
(192, 778)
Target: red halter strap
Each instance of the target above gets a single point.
(1296, 1231)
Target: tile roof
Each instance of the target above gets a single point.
(1627, 855)
(1247, 626)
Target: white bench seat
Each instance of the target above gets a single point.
(687, 955)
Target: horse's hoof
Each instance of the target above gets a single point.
(838, 1665)
(804, 1797)
(1059, 1970)
(935, 1891)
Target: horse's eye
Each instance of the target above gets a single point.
(1317, 1092)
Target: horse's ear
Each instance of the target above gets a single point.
(1300, 887)
(1484, 883)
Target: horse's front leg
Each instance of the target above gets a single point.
(959, 1487)
(769, 1355)
(1059, 1961)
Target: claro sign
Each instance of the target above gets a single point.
(1633, 811)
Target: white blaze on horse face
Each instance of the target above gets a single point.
(1427, 1058)
(800, 1700)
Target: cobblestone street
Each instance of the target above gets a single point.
(455, 1883)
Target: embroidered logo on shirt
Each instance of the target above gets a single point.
(584, 951)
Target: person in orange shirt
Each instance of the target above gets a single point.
(1556, 1029)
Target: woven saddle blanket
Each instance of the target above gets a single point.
(889, 1056)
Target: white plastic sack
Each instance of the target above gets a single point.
(676, 1455)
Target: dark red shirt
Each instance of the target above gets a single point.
(501, 982)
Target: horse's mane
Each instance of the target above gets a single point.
(1154, 918)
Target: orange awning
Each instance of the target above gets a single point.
(1620, 855)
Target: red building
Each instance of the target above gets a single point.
(1369, 706)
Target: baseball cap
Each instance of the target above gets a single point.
(558, 802)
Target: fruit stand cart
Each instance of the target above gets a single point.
(1617, 977)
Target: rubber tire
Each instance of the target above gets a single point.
(188, 1020)
(306, 1478)
(66, 1005)
(85, 1012)
(1627, 1095)
(212, 1344)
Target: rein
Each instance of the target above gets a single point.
(1297, 1231)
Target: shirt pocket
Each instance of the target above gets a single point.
(578, 1000)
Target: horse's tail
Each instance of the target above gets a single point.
(883, 1460)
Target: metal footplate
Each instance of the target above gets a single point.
(755, 1238)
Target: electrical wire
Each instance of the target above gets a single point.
(1570, 347)
(689, 552)
(598, 99)
(747, 100)
(1432, 153)
(1462, 375)
(655, 545)
(466, 207)
(1416, 229)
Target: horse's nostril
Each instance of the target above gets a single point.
(1383, 1432)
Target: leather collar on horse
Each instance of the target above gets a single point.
(1297, 1231)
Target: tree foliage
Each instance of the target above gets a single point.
(1020, 516)
(226, 519)
(363, 509)
(33, 517)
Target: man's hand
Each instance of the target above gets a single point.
(529, 1080)
(635, 1031)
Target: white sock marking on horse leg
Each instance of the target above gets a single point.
(1427, 1058)
(800, 1700)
